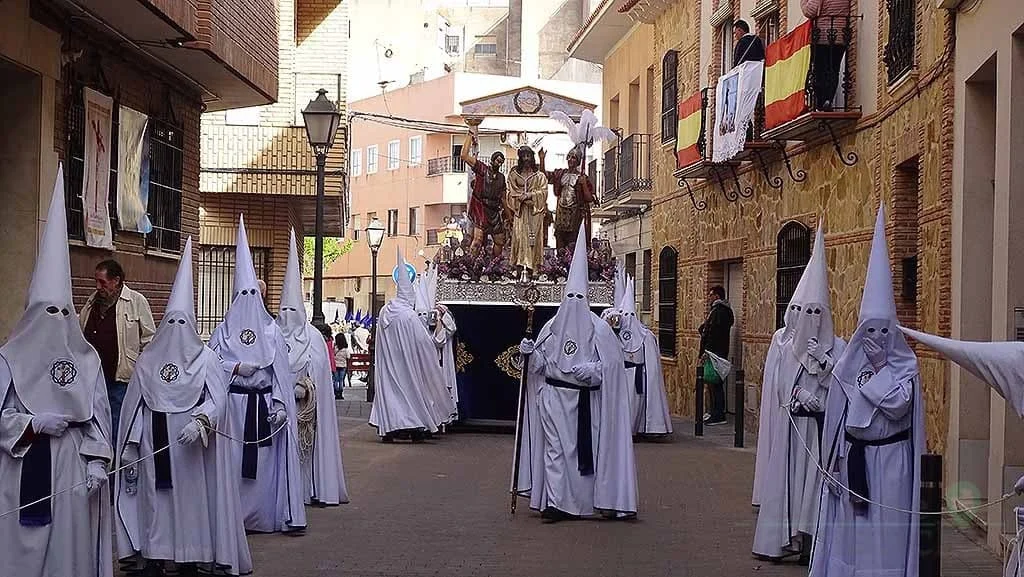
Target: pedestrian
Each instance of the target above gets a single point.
(341, 356)
(118, 323)
(261, 405)
(749, 47)
(309, 356)
(714, 339)
(875, 431)
(831, 22)
(576, 457)
(51, 382)
(180, 505)
(797, 373)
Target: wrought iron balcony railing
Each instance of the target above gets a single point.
(634, 163)
(445, 165)
(829, 85)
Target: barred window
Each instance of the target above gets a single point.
(668, 300)
(669, 95)
(216, 280)
(899, 50)
(793, 250)
(166, 164)
(74, 172)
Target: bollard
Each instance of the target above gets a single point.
(740, 409)
(698, 423)
(931, 525)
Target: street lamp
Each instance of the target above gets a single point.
(322, 119)
(374, 238)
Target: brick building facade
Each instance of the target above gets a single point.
(169, 60)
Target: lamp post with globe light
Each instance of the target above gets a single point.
(374, 238)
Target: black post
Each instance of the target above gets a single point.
(318, 250)
(740, 409)
(698, 422)
(931, 525)
(371, 385)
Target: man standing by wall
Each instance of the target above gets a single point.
(714, 339)
(118, 323)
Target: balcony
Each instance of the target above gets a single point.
(445, 165)
(626, 183)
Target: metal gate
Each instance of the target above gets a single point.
(216, 282)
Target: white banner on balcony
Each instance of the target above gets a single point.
(99, 113)
(133, 171)
(735, 102)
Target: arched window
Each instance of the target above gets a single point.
(792, 251)
(669, 95)
(668, 300)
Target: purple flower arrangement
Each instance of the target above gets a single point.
(484, 267)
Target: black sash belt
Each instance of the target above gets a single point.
(584, 438)
(162, 455)
(818, 417)
(639, 376)
(257, 427)
(37, 481)
(857, 470)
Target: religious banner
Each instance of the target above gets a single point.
(133, 171)
(688, 131)
(735, 101)
(99, 111)
(787, 62)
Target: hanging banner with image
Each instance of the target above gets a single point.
(735, 102)
(99, 113)
(133, 171)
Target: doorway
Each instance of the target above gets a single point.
(734, 293)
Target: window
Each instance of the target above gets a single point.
(792, 251)
(910, 279)
(243, 116)
(645, 300)
(486, 46)
(631, 264)
(668, 300)
(727, 46)
(451, 44)
(216, 280)
(414, 221)
(393, 222)
(416, 151)
(356, 226)
(371, 159)
(899, 50)
(356, 159)
(669, 96)
(768, 28)
(74, 175)
(394, 150)
(166, 164)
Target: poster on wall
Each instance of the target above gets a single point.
(133, 171)
(735, 102)
(99, 110)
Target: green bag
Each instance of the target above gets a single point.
(710, 374)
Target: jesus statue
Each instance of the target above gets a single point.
(527, 200)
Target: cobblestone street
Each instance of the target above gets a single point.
(441, 508)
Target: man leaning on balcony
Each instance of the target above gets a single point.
(118, 323)
(830, 20)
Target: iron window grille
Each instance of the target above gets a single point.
(792, 252)
(74, 175)
(166, 164)
(669, 95)
(668, 300)
(899, 49)
(216, 282)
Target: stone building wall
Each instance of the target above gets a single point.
(911, 128)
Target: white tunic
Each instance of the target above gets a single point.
(651, 415)
(323, 471)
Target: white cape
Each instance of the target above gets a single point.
(651, 415)
(323, 470)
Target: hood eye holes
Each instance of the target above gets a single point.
(52, 310)
(65, 312)
(181, 321)
(871, 331)
(885, 331)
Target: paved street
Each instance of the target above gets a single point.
(440, 508)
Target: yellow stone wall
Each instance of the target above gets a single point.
(913, 120)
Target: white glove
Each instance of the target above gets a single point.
(277, 417)
(876, 354)
(805, 398)
(300, 392)
(95, 476)
(589, 372)
(527, 346)
(50, 424)
(1019, 487)
(814, 349)
(191, 432)
(245, 369)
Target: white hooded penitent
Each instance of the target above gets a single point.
(811, 307)
(571, 327)
(248, 329)
(292, 314)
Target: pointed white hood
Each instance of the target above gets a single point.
(53, 368)
(249, 330)
(291, 316)
(406, 293)
(877, 320)
(171, 372)
(810, 308)
(620, 284)
(999, 364)
(631, 330)
(572, 328)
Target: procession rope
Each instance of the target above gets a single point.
(306, 419)
(829, 476)
(139, 460)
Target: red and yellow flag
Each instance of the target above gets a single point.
(787, 62)
(688, 131)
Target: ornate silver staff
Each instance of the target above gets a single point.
(527, 295)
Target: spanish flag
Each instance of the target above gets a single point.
(787, 62)
(688, 131)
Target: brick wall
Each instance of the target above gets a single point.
(243, 34)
